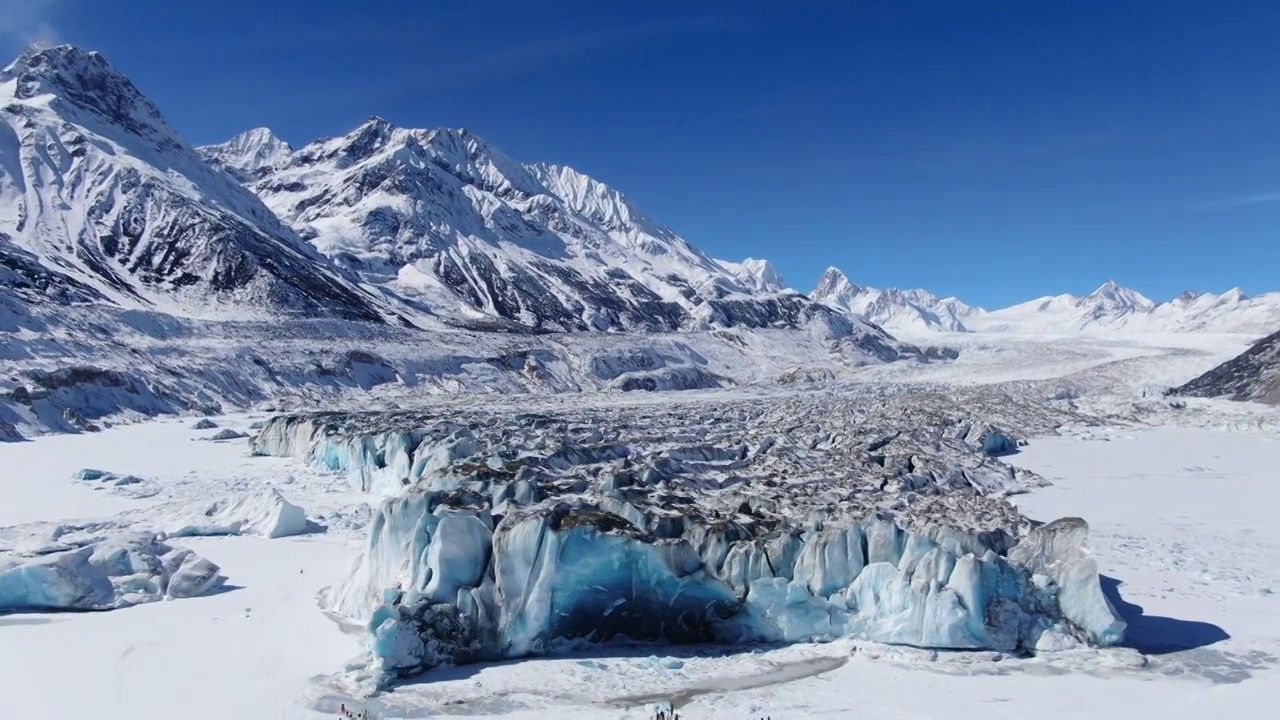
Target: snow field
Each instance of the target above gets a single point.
(1181, 519)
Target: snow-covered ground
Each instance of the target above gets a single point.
(246, 651)
(1195, 572)
(1182, 528)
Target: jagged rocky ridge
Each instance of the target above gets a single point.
(893, 308)
(1252, 375)
(456, 228)
(780, 519)
(107, 204)
(138, 275)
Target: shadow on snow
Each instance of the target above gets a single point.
(1155, 635)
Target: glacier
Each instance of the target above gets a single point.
(113, 573)
(506, 534)
(441, 583)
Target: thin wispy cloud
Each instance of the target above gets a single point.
(27, 22)
(1264, 198)
(990, 153)
(515, 60)
(483, 64)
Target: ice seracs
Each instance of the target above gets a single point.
(503, 536)
(108, 574)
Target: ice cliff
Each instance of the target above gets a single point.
(108, 574)
(442, 582)
(503, 535)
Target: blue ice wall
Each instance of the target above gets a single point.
(439, 583)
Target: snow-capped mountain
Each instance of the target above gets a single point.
(756, 274)
(459, 229)
(1114, 308)
(1110, 306)
(100, 200)
(1231, 311)
(1252, 375)
(249, 155)
(901, 310)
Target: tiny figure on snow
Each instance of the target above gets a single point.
(353, 714)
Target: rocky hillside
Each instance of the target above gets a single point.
(1252, 375)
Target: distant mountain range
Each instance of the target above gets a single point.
(101, 201)
(905, 310)
(1110, 308)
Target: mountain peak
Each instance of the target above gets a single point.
(899, 309)
(1111, 298)
(1109, 287)
(758, 275)
(835, 284)
(153, 221)
(248, 153)
(47, 59)
(375, 123)
(84, 81)
(258, 136)
(834, 273)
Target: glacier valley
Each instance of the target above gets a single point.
(394, 419)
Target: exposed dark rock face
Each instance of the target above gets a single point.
(1252, 375)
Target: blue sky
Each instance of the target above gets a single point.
(994, 150)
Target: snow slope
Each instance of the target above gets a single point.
(103, 202)
(1112, 308)
(456, 227)
(757, 274)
